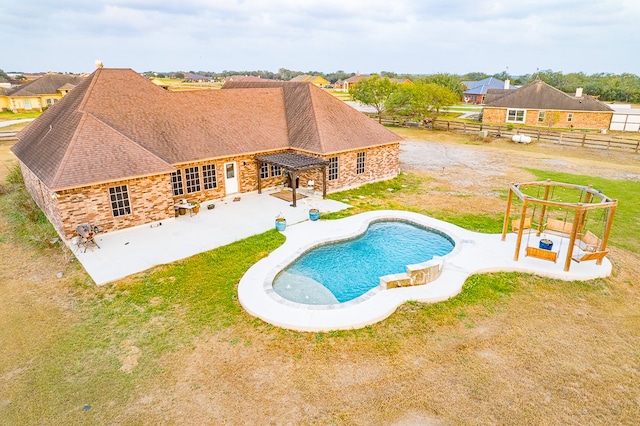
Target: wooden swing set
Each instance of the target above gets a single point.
(584, 245)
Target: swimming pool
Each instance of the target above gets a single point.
(341, 271)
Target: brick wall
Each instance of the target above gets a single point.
(581, 119)
(151, 198)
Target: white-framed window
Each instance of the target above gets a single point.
(176, 183)
(360, 162)
(515, 115)
(119, 197)
(276, 170)
(541, 116)
(264, 171)
(192, 178)
(209, 176)
(27, 104)
(570, 117)
(333, 168)
(50, 102)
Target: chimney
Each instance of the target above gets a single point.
(579, 92)
(506, 84)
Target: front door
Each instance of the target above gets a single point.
(230, 178)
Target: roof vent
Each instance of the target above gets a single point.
(99, 63)
(579, 92)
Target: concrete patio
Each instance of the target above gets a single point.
(133, 250)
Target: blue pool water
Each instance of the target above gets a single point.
(341, 271)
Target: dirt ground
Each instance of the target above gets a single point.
(539, 359)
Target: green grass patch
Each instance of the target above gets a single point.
(626, 222)
(152, 314)
(27, 220)
(9, 115)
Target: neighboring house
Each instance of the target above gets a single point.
(318, 80)
(4, 99)
(119, 151)
(244, 78)
(477, 90)
(39, 94)
(196, 78)
(539, 104)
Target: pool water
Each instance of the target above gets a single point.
(342, 271)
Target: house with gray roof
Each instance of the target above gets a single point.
(539, 104)
(119, 151)
(40, 93)
(477, 90)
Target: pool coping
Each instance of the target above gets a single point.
(473, 253)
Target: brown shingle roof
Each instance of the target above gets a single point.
(540, 95)
(116, 125)
(48, 84)
(319, 122)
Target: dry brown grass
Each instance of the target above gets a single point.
(548, 353)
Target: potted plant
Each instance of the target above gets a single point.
(281, 222)
(196, 206)
(314, 214)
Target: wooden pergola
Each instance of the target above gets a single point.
(593, 200)
(293, 163)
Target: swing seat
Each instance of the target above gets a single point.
(592, 255)
(589, 242)
(558, 227)
(515, 225)
(542, 253)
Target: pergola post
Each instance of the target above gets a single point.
(259, 177)
(519, 240)
(324, 182)
(572, 238)
(294, 178)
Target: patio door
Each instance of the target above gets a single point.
(230, 178)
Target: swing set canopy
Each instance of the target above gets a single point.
(577, 198)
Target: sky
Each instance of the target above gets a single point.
(402, 36)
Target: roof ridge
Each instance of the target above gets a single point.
(67, 151)
(312, 98)
(87, 93)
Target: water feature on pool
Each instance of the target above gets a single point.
(342, 271)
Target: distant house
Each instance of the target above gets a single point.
(196, 78)
(539, 104)
(477, 90)
(318, 80)
(244, 78)
(119, 151)
(39, 94)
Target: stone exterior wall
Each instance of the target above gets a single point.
(150, 201)
(381, 163)
(151, 198)
(580, 120)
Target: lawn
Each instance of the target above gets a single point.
(172, 345)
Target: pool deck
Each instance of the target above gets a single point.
(133, 250)
(474, 253)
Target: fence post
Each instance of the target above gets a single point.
(538, 135)
(464, 127)
(637, 146)
(584, 137)
(609, 144)
(560, 139)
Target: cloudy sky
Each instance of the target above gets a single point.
(405, 36)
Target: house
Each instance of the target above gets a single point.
(39, 94)
(119, 151)
(477, 90)
(196, 78)
(243, 78)
(318, 80)
(539, 104)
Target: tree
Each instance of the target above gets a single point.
(421, 100)
(450, 81)
(373, 91)
(3, 76)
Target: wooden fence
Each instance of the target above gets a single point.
(575, 138)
